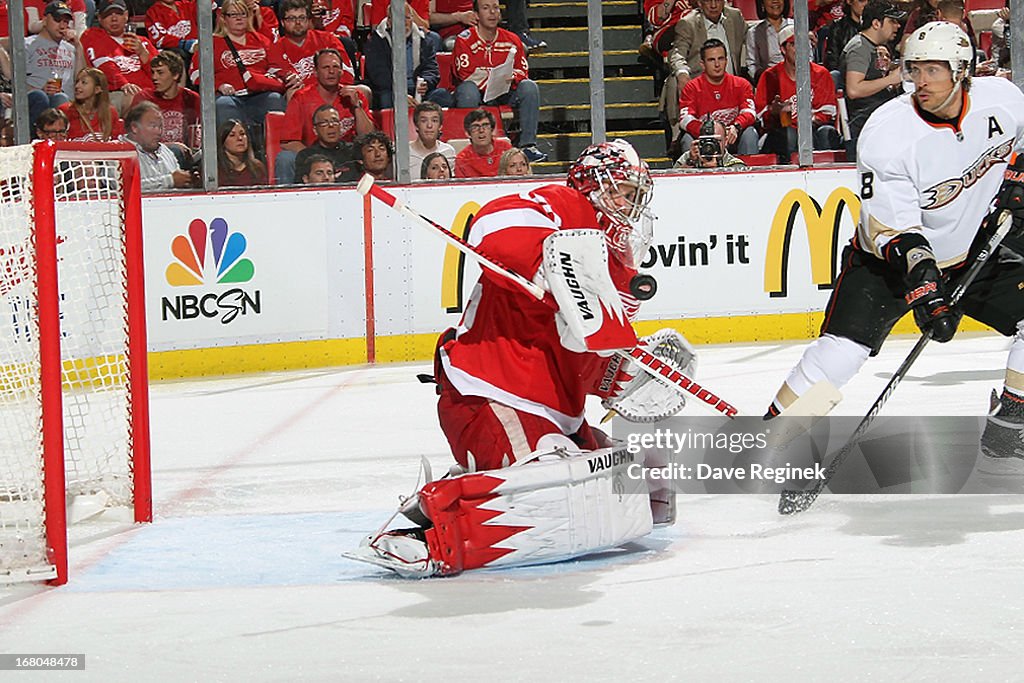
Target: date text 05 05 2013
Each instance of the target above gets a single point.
(41, 662)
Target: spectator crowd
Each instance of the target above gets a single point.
(304, 92)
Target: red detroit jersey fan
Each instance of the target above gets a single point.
(474, 57)
(731, 101)
(118, 64)
(285, 56)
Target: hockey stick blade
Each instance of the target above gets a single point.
(791, 501)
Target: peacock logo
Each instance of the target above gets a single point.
(192, 265)
(210, 256)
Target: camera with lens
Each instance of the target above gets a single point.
(709, 145)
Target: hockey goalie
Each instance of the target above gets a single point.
(535, 482)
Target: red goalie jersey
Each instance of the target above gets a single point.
(507, 348)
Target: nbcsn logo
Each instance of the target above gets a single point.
(209, 256)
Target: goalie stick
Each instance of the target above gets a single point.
(794, 501)
(661, 371)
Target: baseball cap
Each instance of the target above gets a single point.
(105, 6)
(57, 9)
(786, 34)
(881, 9)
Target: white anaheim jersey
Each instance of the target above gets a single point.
(916, 175)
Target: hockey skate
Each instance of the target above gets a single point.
(1002, 442)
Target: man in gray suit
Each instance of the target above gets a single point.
(711, 19)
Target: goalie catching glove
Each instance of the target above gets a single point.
(635, 394)
(911, 254)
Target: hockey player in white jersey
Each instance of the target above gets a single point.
(929, 166)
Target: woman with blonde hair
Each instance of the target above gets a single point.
(514, 162)
(91, 117)
(244, 89)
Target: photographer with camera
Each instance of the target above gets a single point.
(708, 150)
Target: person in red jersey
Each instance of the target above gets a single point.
(293, 52)
(91, 117)
(725, 98)
(478, 50)
(479, 159)
(173, 25)
(179, 107)
(122, 56)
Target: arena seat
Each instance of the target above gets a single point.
(985, 43)
(453, 117)
(272, 126)
(748, 8)
(758, 159)
(973, 5)
(444, 64)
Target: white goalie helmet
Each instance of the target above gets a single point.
(939, 41)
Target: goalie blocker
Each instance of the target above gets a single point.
(553, 506)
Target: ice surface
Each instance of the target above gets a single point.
(260, 482)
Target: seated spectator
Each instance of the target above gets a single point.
(727, 98)
(763, 48)
(427, 117)
(121, 55)
(775, 100)
(158, 167)
(328, 143)
(480, 158)
(180, 107)
(840, 32)
(52, 124)
(421, 80)
(660, 17)
(376, 154)
(708, 150)
(174, 25)
(871, 78)
(237, 166)
(435, 166)
(481, 48)
(321, 171)
(264, 21)
(245, 90)
(379, 9)
(297, 131)
(293, 52)
(35, 17)
(450, 18)
(91, 117)
(50, 58)
(513, 162)
(337, 17)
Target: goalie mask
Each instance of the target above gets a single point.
(940, 41)
(618, 184)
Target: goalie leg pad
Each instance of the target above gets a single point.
(555, 508)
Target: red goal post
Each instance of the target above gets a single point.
(74, 409)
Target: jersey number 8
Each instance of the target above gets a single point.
(866, 189)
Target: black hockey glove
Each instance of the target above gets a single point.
(926, 291)
(1011, 194)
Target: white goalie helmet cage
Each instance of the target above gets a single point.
(939, 41)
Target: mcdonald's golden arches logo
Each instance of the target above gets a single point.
(822, 236)
(453, 269)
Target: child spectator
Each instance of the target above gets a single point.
(427, 118)
(179, 106)
(90, 115)
(237, 166)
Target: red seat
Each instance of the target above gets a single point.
(748, 8)
(385, 119)
(824, 157)
(759, 159)
(452, 127)
(444, 63)
(985, 43)
(972, 5)
(273, 125)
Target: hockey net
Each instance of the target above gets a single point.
(73, 398)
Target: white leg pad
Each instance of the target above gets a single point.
(828, 358)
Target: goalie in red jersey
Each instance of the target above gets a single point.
(513, 378)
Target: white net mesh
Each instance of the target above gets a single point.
(89, 215)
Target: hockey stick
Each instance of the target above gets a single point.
(793, 501)
(660, 370)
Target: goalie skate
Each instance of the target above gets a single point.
(403, 551)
